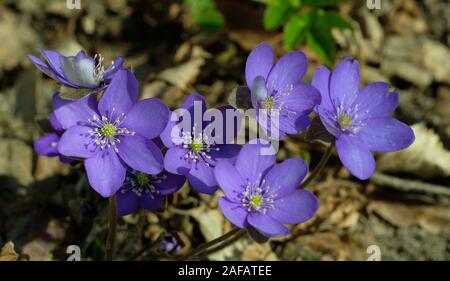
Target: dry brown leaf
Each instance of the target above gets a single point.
(426, 157)
(8, 253)
(434, 219)
(186, 73)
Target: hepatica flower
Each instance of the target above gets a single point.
(262, 194)
(359, 118)
(79, 71)
(191, 151)
(114, 133)
(277, 93)
(146, 191)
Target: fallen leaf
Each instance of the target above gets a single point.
(425, 158)
(8, 253)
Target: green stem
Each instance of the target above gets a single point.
(323, 161)
(202, 248)
(112, 226)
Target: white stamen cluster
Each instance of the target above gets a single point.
(106, 132)
(274, 101)
(199, 145)
(349, 118)
(256, 197)
(99, 69)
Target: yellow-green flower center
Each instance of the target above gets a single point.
(196, 146)
(256, 201)
(268, 103)
(344, 121)
(109, 130)
(142, 179)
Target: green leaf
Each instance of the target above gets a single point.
(322, 3)
(331, 19)
(322, 43)
(205, 15)
(276, 13)
(295, 31)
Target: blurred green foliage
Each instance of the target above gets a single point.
(307, 21)
(205, 15)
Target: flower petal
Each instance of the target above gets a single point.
(229, 180)
(386, 134)
(151, 202)
(175, 162)
(105, 172)
(79, 112)
(226, 151)
(47, 145)
(77, 142)
(377, 100)
(301, 100)
(321, 81)
(141, 154)
(137, 119)
(42, 66)
(120, 96)
(79, 71)
(201, 178)
(285, 177)
(127, 202)
(266, 225)
(170, 133)
(113, 68)
(53, 60)
(258, 91)
(234, 212)
(355, 156)
(287, 72)
(295, 207)
(55, 123)
(344, 82)
(292, 124)
(252, 164)
(259, 63)
(171, 183)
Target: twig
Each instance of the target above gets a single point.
(226, 243)
(323, 161)
(200, 249)
(112, 225)
(409, 185)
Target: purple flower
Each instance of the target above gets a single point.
(276, 89)
(262, 194)
(114, 133)
(359, 118)
(191, 152)
(79, 71)
(47, 145)
(169, 244)
(146, 191)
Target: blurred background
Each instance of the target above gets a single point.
(175, 47)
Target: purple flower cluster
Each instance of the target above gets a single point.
(191, 151)
(121, 140)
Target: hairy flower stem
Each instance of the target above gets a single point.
(202, 248)
(323, 161)
(225, 243)
(112, 225)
